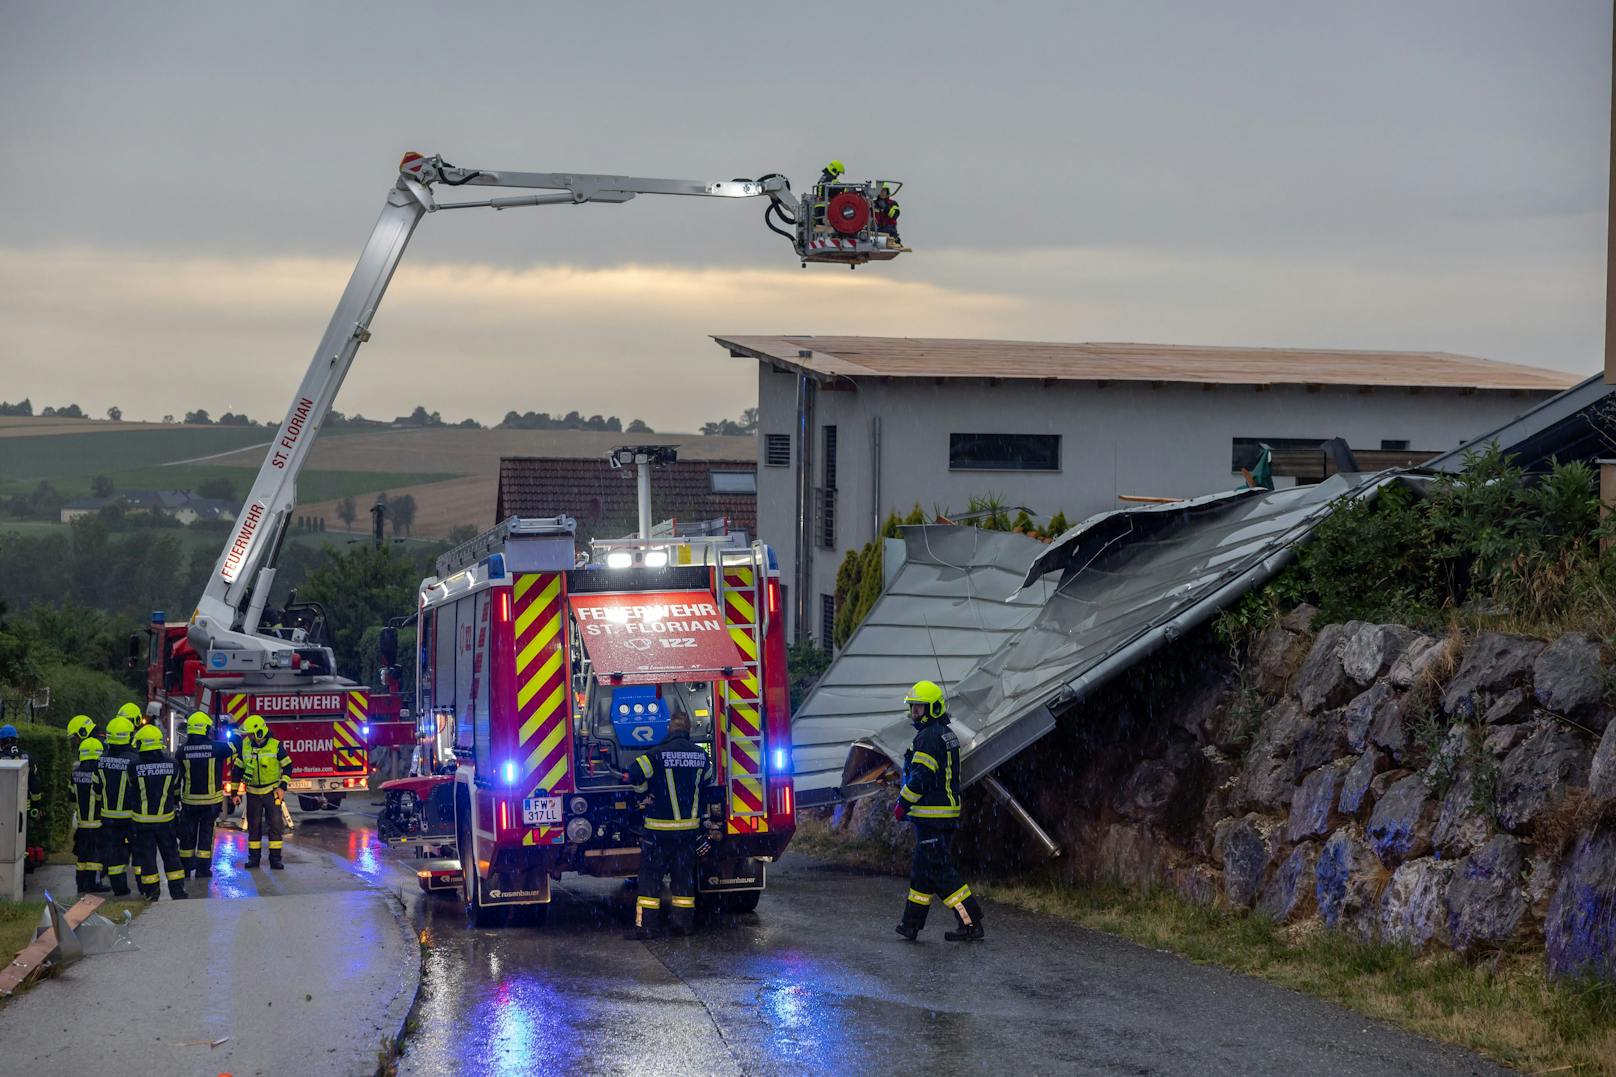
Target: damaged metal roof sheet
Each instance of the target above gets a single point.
(955, 599)
(1130, 581)
(1578, 424)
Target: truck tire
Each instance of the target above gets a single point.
(477, 914)
(333, 802)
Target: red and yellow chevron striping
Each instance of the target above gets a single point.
(347, 745)
(544, 734)
(235, 706)
(741, 739)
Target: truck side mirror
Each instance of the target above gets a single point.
(388, 647)
(134, 650)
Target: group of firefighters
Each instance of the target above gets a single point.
(136, 801)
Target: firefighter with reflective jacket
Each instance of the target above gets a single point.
(157, 789)
(930, 800)
(87, 820)
(115, 780)
(264, 767)
(670, 779)
(81, 727)
(201, 760)
(10, 749)
(886, 213)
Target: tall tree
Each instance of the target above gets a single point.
(348, 511)
(115, 413)
(402, 509)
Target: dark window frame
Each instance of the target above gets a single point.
(713, 477)
(976, 451)
(827, 622)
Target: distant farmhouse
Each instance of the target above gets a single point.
(181, 505)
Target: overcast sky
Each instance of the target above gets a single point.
(190, 183)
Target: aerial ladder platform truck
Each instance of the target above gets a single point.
(227, 660)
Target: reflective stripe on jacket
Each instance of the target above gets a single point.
(115, 777)
(673, 774)
(87, 793)
(155, 788)
(262, 766)
(931, 778)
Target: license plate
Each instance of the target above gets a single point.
(541, 811)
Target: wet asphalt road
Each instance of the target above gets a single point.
(817, 982)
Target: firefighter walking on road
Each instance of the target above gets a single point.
(115, 779)
(264, 767)
(930, 800)
(158, 794)
(87, 839)
(201, 760)
(670, 778)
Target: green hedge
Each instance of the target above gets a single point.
(52, 758)
(77, 690)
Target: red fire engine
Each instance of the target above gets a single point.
(540, 680)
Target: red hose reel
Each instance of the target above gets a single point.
(848, 213)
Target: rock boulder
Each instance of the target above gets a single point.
(1345, 882)
(1355, 786)
(1370, 652)
(1486, 897)
(1146, 792)
(1538, 773)
(1493, 664)
(1313, 805)
(1515, 705)
(1245, 861)
(1420, 657)
(1291, 893)
(1276, 656)
(1602, 774)
(1568, 677)
(1322, 681)
(1461, 827)
(1400, 828)
(1322, 739)
(1412, 909)
(1361, 712)
(1580, 932)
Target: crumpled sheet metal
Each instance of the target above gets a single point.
(1130, 581)
(956, 598)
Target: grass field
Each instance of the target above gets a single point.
(62, 455)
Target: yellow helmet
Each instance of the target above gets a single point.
(148, 737)
(130, 711)
(90, 748)
(81, 725)
(255, 726)
(929, 694)
(199, 722)
(119, 730)
(836, 168)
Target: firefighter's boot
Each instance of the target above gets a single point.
(970, 925)
(252, 860)
(914, 915)
(87, 883)
(176, 889)
(275, 861)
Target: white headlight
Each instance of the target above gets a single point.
(619, 559)
(656, 558)
(580, 830)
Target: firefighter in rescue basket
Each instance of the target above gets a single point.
(264, 767)
(669, 778)
(930, 800)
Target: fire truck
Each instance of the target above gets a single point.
(541, 679)
(231, 660)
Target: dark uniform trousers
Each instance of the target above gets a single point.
(115, 851)
(932, 874)
(671, 853)
(195, 822)
(263, 822)
(87, 843)
(150, 841)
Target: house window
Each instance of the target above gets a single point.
(827, 622)
(830, 457)
(1393, 446)
(1004, 452)
(777, 450)
(733, 482)
(825, 506)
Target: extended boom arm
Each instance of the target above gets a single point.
(224, 627)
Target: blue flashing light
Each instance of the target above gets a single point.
(510, 773)
(781, 762)
(158, 617)
(364, 730)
